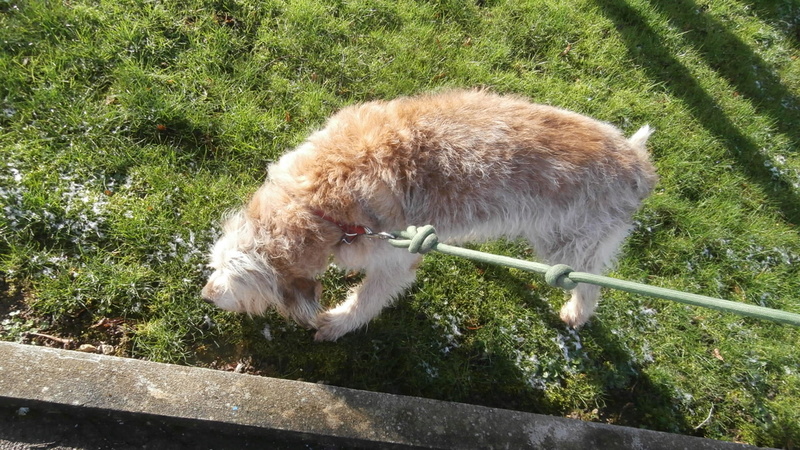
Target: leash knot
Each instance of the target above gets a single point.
(423, 239)
(558, 276)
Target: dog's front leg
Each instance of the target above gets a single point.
(385, 278)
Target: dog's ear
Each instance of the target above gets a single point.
(261, 204)
(301, 300)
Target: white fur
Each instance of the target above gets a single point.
(475, 165)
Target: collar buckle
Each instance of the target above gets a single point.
(351, 232)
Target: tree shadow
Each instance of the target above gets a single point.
(733, 60)
(785, 14)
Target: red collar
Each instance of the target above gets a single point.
(350, 232)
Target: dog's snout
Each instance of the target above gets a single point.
(207, 294)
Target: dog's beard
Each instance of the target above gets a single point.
(243, 284)
(246, 282)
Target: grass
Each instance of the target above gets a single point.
(127, 128)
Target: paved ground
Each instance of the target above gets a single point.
(45, 427)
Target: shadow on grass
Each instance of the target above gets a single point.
(784, 13)
(406, 351)
(731, 59)
(627, 395)
(194, 142)
(631, 397)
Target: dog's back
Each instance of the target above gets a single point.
(470, 156)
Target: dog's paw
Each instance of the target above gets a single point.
(573, 315)
(330, 327)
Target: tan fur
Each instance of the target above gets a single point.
(475, 165)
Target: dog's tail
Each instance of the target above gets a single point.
(648, 173)
(639, 139)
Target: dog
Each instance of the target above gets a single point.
(474, 164)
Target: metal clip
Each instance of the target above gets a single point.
(381, 235)
(348, 238)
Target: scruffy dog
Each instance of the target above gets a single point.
(475, 165)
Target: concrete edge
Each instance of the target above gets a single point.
(247, 404)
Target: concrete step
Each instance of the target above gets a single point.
(176, 402)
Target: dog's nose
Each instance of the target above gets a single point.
(206, 295)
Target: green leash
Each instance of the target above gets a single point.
(422, 240)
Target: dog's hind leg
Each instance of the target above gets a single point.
(387, 275)
(587, 253)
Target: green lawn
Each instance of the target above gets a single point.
(127, 128)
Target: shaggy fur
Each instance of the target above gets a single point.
(475, 165)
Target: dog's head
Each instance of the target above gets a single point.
(249, 277)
